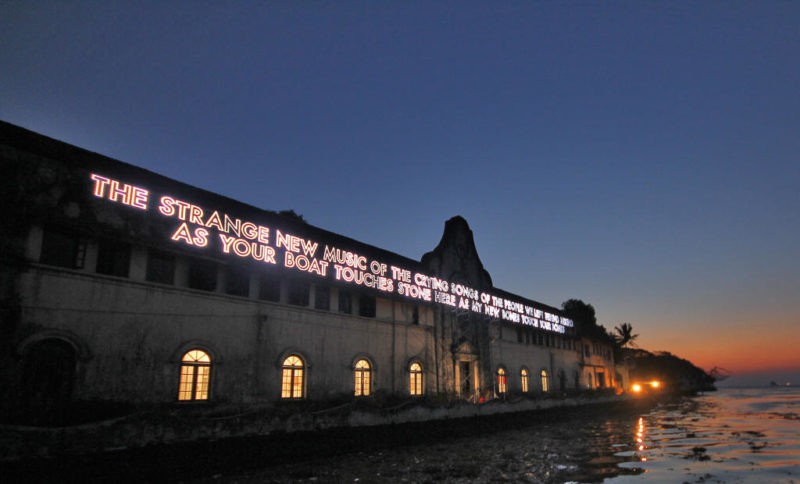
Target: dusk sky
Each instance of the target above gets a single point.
(640, 156)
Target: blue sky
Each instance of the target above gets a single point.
(641, 156)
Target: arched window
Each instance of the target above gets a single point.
(363, 375)
(292, 377)
(523, 375)
(545, 382)
(415, 379)
(195, 375)
(502, 383)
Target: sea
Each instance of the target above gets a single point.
(731, 435)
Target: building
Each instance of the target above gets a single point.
(597, 361)
(122, 285)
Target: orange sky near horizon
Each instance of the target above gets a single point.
(741, 331)
(738, 349)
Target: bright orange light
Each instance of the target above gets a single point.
(636, 388)
(655, 383)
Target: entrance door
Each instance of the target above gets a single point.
(466, 378)
(48, 376)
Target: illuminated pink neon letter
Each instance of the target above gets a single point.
(119, 192)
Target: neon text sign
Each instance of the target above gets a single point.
(201, 228)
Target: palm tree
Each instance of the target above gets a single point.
(625, 336)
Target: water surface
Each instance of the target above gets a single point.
(733, 435)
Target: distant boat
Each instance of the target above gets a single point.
(719, 373)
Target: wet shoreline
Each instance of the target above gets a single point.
(410, 452)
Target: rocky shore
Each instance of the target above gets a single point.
(556, 446)
(547, 444)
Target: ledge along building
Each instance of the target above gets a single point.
(124, 286)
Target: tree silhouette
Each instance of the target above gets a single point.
(585, 319)
(680, 375)
(583, 314)
(625, 336)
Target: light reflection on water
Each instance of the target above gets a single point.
(734, 435)
(726, 436)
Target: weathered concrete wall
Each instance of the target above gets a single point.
(514, 356)
(137, 332)
(599, 362)
(177, 426)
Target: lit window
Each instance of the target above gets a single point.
(195, 374)
(415, 379)
(292, 377)
(545, 382)
(363, 375)
(501, 380)
(523, 374)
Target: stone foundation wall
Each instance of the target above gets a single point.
(180, 425)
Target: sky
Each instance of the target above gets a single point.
(640, 156)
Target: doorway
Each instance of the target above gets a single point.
(466, 385)
(48, 376)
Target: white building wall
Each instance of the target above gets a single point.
(136, 333)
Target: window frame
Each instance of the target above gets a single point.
(501, 377)
(195, 370)
(269, 287)
(202, 274)
(237, 281)
(524, 376)
(362, 377)
(416, 379)
(325, 292)
(157, 261)
(345, 302)
(62, 247)
(298, 293)
(113, 258)
(289, 386)
(367, 306)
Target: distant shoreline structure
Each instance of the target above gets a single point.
(761, 386)
(719, 373)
